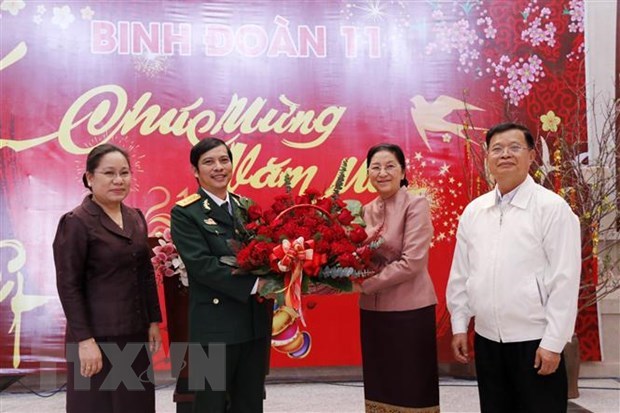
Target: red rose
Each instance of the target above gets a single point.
(243, 256)
(321, 246)
(325, 204)
(254, 212)
(290, 229)
(264, 230)
(254, 255)
(281, 202)
(337, 232)
(347, 260)
(313, 193)
(357, 234)
(339, 248)
(307, 233)
(269, 216)
(345, 217)
(302, 199)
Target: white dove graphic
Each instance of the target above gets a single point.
(430, 117)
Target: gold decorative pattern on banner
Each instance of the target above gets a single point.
(160, 220)
(14, 55)
(20, 302)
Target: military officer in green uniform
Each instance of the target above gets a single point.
(223, 305)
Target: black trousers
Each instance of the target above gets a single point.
(245, 381)
(508, 381)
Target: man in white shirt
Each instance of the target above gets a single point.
(516, 270)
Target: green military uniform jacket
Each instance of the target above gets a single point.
(221, 308)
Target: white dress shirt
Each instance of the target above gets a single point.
(516, 267)
(219, 201)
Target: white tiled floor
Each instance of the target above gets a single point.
(596, 395)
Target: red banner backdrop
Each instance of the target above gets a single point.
(295, 87)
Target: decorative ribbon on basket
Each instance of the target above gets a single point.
(295, 259)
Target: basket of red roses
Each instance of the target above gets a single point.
(306, 243)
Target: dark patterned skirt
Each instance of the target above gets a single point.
(399, 356)
(92, 395)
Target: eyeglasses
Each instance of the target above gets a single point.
(389, 169)
(111, 175)
(512, 150)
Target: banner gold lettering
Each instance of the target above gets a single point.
(112, 115)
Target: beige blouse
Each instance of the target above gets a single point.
(403, 283)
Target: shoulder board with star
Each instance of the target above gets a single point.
(241, 201)
(235, 198)
(188, 200)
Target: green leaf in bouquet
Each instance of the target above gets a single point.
(259, 272)
(305, 282)
(288, 184)
(273, 285)
(355, 207)
(340, 178)
(328, 272)
(244, 202)
(231, 261)
(341, 284)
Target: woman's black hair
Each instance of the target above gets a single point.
(94, 158)
(394, 150)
